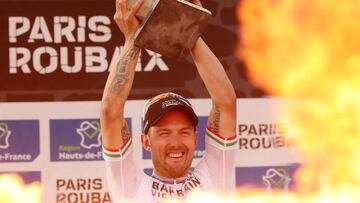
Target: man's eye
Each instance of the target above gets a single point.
(163, 134)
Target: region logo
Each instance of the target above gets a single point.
(277, 178)
(200, 146)
(90, 134)
(273, 177)
(19, 140)
(4, 135)
(76, 139)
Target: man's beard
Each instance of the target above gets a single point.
(177, 171)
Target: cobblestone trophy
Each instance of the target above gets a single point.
(170, 27)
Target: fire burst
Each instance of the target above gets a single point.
(309, 51)
(12, 189)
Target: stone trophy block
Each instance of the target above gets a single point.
(170, 27)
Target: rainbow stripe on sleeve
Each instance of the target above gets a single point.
(225, 142)
(116, 154)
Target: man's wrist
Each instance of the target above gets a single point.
(197, 45)
(130, 44)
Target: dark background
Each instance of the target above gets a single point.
(220, 35)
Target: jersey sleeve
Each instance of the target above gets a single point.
(122, 174)
(217, 165)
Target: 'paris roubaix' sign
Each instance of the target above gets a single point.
(61, 49)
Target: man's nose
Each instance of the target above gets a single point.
(174, 140)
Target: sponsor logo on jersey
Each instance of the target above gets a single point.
(161, 190)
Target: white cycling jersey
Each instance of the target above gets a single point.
(215, 172)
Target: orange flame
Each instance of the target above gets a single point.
(12, 189)
(309, 51)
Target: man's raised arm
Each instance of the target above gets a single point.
(114, 129)
(221, 134)
(222, 118)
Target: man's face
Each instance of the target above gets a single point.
(172, 143)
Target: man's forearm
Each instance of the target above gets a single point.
(122, 72)
(222, 117)
(121, 76)
(115, 94)
(212, 73)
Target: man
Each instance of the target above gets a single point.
(169, 128)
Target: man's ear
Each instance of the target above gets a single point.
(145, 140)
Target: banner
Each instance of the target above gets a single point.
(63, 50)
(59, 145)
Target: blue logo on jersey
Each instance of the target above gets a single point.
(200, 147)
(19, 140)
(76, 139)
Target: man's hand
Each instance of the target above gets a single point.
(125, 19)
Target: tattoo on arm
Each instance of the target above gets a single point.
(214, 119)
(122, 71)
(125, 133)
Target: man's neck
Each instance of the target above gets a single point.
(169, 178)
